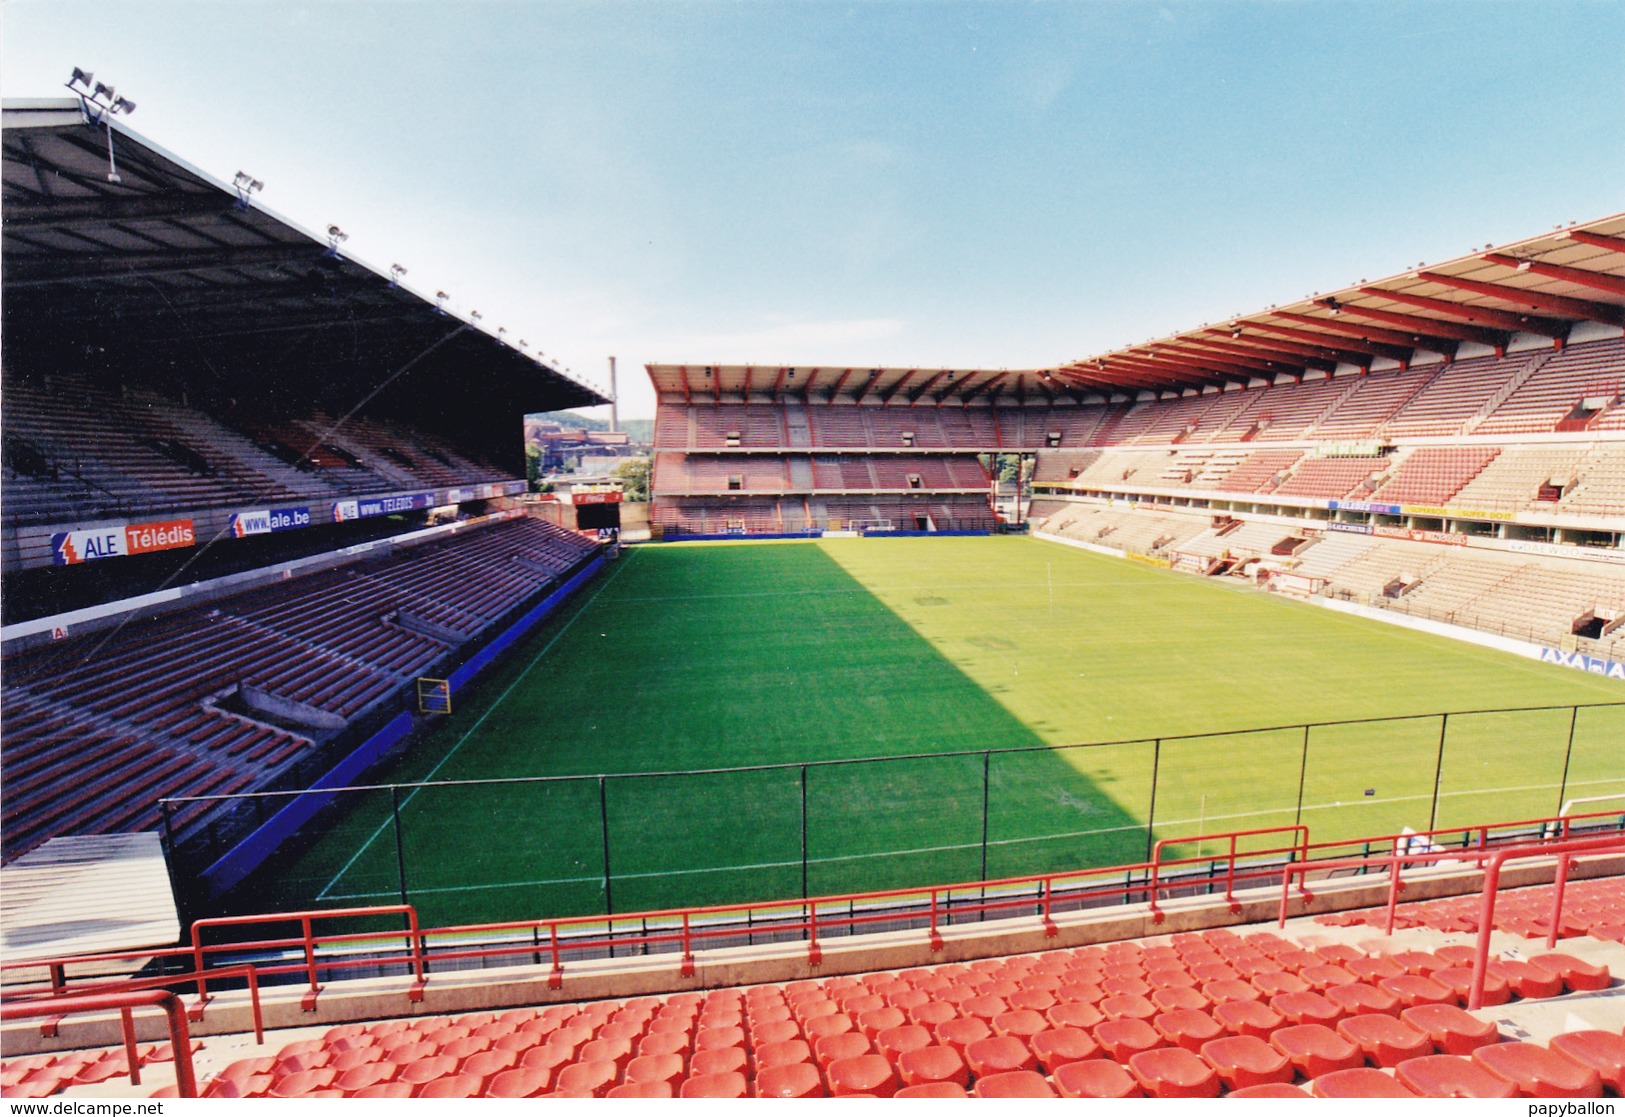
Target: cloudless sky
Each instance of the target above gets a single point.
(914, 184)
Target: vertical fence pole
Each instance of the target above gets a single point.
(1151, 809)
(1438, 773)
(1568, 754)
(400, 844)
(803, 831)
(987, 783)
(1303, 770)
(603, 823)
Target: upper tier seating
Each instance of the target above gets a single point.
(153, 699)
(1374, 400)
(1431, 475)
(1455, 393)
(1593, 371)
(75, 451)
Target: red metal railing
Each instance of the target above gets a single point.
(1490, 859)
(180, 1039)
(307, 942)
(1298, 849)
(685, 930)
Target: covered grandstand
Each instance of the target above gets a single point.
(254, 489)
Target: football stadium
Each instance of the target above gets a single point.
(1240, 713)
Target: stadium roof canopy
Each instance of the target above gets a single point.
(1540, 288)
(141, 251)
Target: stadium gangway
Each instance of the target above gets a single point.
(415, 950)
(1491, 861)
(180, 1039)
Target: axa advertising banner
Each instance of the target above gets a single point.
(1581, 662)
(118, 540)
(263, 521)
(381, 506)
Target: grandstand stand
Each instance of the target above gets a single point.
(232, 695)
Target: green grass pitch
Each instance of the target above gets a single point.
(685, 657)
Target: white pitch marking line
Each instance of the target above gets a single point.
(384, 825)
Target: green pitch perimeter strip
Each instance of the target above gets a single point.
(689, 657)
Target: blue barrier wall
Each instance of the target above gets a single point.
(255, 849)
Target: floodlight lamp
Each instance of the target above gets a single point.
(502, 331)
(103, 89)
(523, 344)
(441, 297)
(123, 105)
(81, 78)
(1333, 305)
(336, 235)
(395, 273)
(476, 315)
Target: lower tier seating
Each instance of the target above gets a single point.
(100, 727)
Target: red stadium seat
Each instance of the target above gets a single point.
(1055, 1047)
(1269, 1090)
(1359, 1082)
(1362, 1000)
(656, 1068)
(892, 1042)
(452, 1086)
(1415, 989)
(522, 1082)
(789, 1080)
(1452, 1076)
(1073, 1014)
(1538, 1072)
(1096, 1078)
(1451, 1030)
(932, 1090)
(1603, 1052)
(1173, 1072)
(1246, 1061)
(959, 1032)
(1013, 1084)
(715, 1086)
(594, 1078)
(1187, 1028)
(1577, 975)
(847, 1045)
(1247, 1018)
(641, 1090)
(783, 1053)
(925, 1065)
(863, 1074)
(1386, 1042)
(1527, 979)
(1123, 1038)
(1306, 1008)
(1316, 1050)
(719, 1060)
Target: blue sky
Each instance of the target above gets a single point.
(918, 184)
